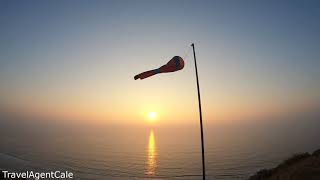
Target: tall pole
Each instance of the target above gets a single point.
(200, 113)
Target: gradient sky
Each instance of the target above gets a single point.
(77, 59)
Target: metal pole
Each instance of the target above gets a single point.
(200, 112)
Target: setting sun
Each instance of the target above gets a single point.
(152, 116)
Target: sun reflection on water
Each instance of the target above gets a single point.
(151, 156)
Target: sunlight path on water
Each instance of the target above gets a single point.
(151, 164)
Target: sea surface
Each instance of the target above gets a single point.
(156, 152)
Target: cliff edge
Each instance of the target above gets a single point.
(304, 166)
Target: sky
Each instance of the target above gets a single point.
(75, 60)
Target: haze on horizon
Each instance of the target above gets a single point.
(77, 59)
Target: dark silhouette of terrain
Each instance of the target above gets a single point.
(302, 166)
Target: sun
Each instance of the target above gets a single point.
(152, 116)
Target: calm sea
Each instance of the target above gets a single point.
(170, 152)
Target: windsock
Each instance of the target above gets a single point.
(175, 64)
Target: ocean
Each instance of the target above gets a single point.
(118, 152)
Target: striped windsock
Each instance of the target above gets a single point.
(175, 64)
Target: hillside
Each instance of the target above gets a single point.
(302, 166)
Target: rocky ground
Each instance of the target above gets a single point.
(302, 166)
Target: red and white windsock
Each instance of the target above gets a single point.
(175, 64)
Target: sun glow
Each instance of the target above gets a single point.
(152, 116)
